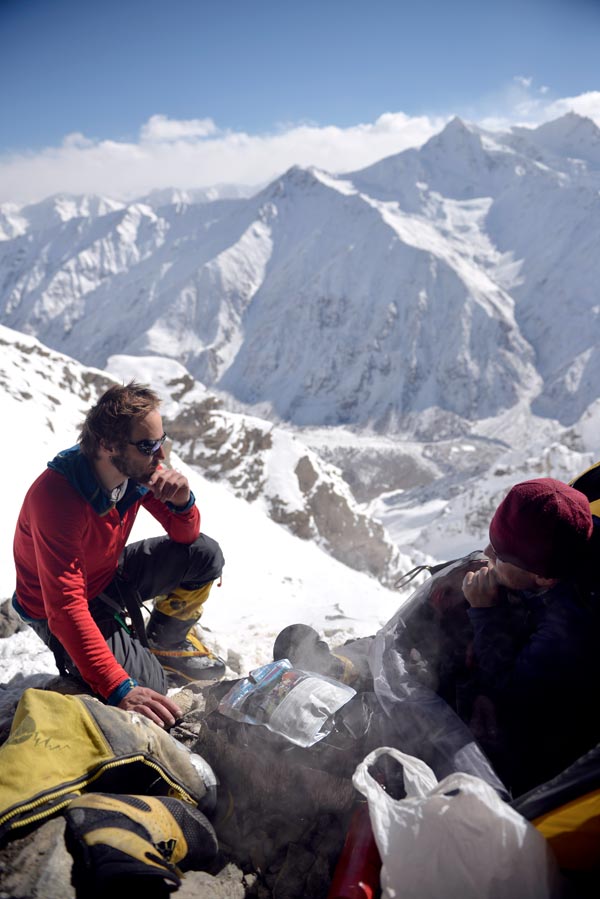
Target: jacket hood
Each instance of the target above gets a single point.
(73, 465)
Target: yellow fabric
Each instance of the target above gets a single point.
(155, 819)
(60, 746)
(199, 649)
(185, 605)
(573, 831)
(350, 674)
(595, 504)
(581, 473)
(52, 743)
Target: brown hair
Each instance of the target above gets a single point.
(111, 419)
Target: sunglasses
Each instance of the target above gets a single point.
(148, 447)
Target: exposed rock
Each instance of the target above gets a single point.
(298, 489)
(38, 865)
(223, 446)
(10, 623)
(371, 468)
(356, 540)
(227, 884)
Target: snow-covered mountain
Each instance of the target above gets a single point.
(170, 196)
(449, 516)
(446, 284)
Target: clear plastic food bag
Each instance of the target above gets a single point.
(295, 704)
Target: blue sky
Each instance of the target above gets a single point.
(102, 70)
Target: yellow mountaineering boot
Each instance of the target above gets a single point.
(135, 845)
(172, 638)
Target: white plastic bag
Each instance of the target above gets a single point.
(455, 839)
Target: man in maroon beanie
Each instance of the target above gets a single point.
(535, 641)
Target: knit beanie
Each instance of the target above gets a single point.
(542, 526)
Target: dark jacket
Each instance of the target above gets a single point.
(537, 661)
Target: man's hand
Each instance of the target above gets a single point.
(169, 485)
(481, 588)
(158, 708)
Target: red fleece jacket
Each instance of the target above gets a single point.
(66, 554)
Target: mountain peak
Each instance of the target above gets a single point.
(296, 177)
(300, 174)
(569, 124)
(62, 207)
(572, 135)
(454, 137)
(456, 125)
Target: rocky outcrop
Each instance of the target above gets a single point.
(214, 441)
(10, 623)
(38, 865)
(371, 466)
(264, 463)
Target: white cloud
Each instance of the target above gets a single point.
(195, 153)
(587, 104)
(161, 128)
(522, 103)
(523, 81)
(76, 139)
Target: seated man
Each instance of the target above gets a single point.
(76, 578)
(535, 642)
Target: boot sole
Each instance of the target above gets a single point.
(215, 673)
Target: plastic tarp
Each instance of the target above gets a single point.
(419, 720)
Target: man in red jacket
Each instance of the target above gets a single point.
(77, 579)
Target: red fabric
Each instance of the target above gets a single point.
(542, 526)
(358, 870)
(66, 554)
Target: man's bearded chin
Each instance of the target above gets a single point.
(143, 478)
(129, 470)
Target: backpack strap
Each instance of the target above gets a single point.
(129, 601)
(409, 576)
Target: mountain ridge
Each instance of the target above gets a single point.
(421, 282)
